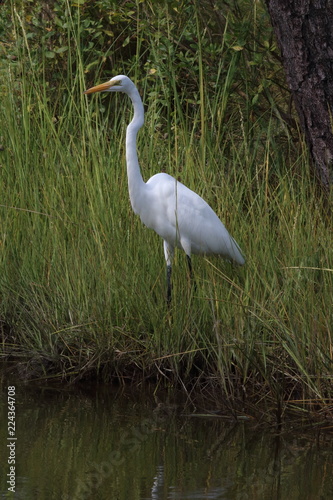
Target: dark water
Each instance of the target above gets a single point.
(116, 444)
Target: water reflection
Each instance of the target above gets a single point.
(158, 484)
(113, 444)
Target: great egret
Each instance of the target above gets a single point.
(180, 216)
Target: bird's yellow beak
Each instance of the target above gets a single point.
(101, 87)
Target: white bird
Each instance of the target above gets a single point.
(180, 216)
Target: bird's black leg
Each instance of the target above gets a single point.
(169, 284)
(189, 262)
(168, 253)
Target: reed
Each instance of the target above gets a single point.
(82, 282)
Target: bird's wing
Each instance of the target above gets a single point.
(182, 218)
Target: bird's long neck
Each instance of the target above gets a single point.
(136, 185)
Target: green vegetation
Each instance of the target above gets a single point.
(82, 282)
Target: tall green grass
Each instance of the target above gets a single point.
(82, 281)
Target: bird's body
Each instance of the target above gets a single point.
(184, 220)
(176, 213)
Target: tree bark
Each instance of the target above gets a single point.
(304, 32)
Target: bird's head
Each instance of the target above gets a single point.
(120, 83)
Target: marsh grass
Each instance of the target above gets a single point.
(83, 281)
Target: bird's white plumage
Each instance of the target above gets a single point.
(180, 216)
(183, 219)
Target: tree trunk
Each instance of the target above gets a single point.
(304, 32)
